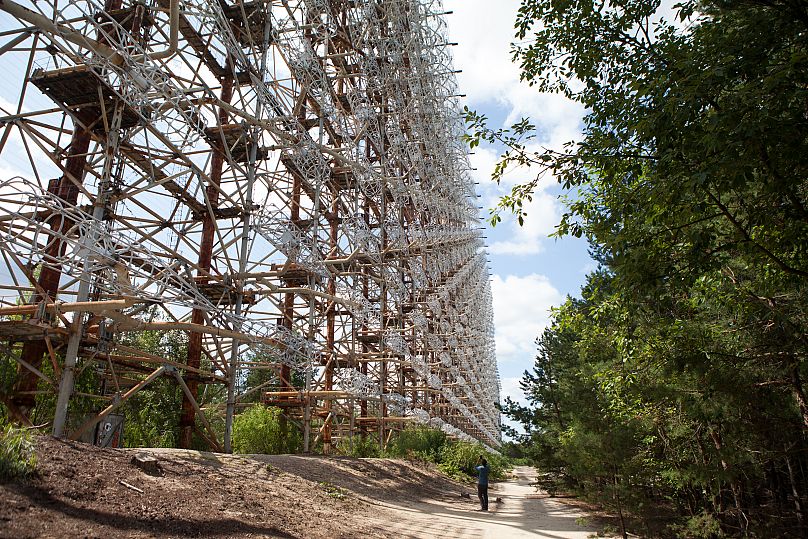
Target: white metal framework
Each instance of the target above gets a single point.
(284, 180)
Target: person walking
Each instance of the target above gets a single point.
(482, 482)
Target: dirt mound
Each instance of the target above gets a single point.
(86, 491)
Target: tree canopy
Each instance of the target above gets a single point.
(678, 376)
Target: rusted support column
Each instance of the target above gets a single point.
(188, 413)
(363, 403)
(333, 224)
(288, 311)
(88, 240)
(34, 351)
(66, 188)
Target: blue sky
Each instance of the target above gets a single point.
(532, 272)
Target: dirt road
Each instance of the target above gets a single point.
(522, 513)
(86, 491)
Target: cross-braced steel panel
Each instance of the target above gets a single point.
(282, 180)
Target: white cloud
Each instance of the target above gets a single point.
(483, 159)
(588, 268)
(543, 213)
(489, 78)
(510, 388)
(557, 118)
(521, 312)
(483, 33)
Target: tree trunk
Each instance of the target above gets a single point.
(800, 510)
(733, 483)
(799, 393)
(615, 482)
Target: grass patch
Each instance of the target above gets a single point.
(332, 490)
(17, 457)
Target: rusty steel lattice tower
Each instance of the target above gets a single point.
(282, 180)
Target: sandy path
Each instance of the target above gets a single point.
(521, 514)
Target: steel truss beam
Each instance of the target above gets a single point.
(282, 180)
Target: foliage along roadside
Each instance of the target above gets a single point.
(260, 430)
(455, 458)
(676, 381)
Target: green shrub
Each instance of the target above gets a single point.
(17, 457)
(419, 441)
(260, 430)
(458, 460)
(520, 461)
(151, 418)
(701, 526)
(361, 447)
(454, 458)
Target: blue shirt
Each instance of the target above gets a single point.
(482, 470)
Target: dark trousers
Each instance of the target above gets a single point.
(482, 493)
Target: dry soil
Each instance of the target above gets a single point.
(85, 491)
